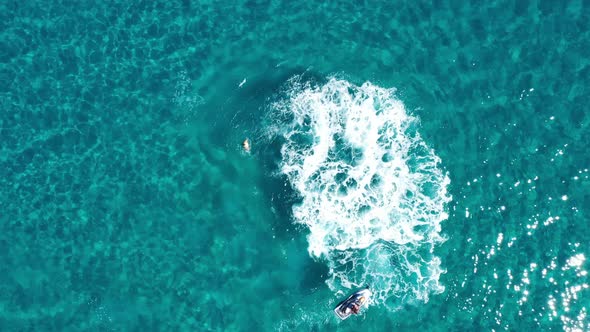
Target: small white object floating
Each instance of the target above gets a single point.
(353, 303)
(246, 145)
(242, 83)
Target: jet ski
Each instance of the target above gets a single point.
(357, 299)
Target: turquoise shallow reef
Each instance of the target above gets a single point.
(436, 152)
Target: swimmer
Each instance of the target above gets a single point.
(246, 145)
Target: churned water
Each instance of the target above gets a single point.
(435, 152)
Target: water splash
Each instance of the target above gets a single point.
(373, 194)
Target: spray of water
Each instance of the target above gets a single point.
(373, 194)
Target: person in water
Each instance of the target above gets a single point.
(246, 145)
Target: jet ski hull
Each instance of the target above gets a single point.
(343, 309)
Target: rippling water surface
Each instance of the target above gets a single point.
(438, 153)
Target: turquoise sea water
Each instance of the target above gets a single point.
(437, 152)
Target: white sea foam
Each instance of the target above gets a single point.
(373, 195)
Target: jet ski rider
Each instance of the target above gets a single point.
(353, 304)
(355, 307)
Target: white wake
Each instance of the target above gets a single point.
(373, 194)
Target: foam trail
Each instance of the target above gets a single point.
(372, 193)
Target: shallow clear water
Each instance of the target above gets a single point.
(437, 152)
